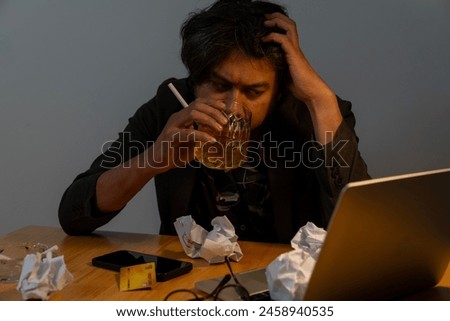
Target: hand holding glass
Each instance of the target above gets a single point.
(230, 149)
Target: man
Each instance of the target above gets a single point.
(247, 51)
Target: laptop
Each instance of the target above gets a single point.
(387, 238)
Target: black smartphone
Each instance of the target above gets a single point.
(166, 268)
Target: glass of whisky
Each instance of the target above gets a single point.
(229, 151)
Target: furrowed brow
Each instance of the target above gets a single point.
(259, 85)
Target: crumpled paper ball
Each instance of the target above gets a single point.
(212, 246)
(43, 274)
(288, 275)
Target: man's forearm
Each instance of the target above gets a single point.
(326, 117)
(117, 186)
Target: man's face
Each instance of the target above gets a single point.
(249, 81)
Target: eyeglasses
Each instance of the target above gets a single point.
(214, 295)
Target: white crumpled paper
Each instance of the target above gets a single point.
(212, 246)
(288, 275)
(43, 274)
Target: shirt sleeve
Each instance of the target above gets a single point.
(341, 159)
(78, 213)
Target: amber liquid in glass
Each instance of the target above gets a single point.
(229, 151)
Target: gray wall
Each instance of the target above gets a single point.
(72, 72)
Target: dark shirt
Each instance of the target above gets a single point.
(242, 195)
(300, 182)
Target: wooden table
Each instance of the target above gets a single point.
(92, 283)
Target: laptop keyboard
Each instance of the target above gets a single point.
(263, 296)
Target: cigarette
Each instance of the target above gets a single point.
(178, 95)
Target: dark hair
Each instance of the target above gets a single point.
(210, 35)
